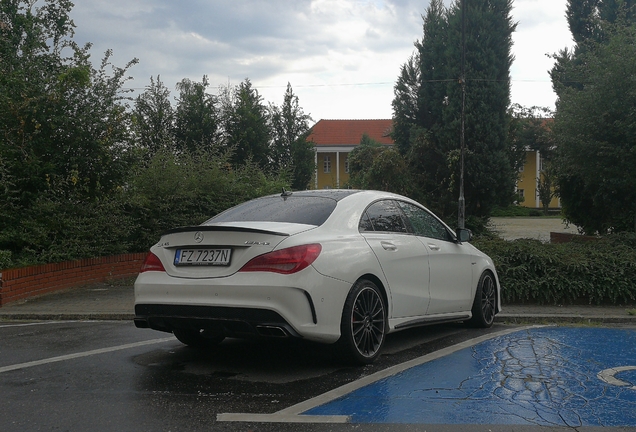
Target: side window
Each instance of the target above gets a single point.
(383, 216)
(425, 224)
(365, 223)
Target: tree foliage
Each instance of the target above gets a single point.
(595, 122)
(246, 124)
(290, 150)
(428, 104)
(83, 174)
(153, 119)
(64, 126)
(378, 167)
(196, 118)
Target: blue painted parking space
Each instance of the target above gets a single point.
(547, 376)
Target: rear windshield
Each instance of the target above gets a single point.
(311, 210)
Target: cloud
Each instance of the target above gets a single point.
(341, 56)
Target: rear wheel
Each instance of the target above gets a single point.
(197, 338)
(363, 325)
(484, 303)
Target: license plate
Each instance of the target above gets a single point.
(214, 257)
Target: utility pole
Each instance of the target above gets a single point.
(462, 80)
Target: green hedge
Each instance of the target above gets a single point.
(595, 272)
(169, 192)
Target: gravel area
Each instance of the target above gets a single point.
(538, 228)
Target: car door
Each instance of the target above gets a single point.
(402, 257)
(451, 267)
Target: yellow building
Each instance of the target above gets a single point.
(334, 140)
(528, 183)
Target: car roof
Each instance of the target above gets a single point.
(336, 194)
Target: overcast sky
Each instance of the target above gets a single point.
(342, 57)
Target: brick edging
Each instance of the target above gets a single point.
(20, 283)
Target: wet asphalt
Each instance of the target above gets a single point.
(73, 360)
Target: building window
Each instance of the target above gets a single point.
(347, 164)
(327, 164)
(521, 168)
(520, 193)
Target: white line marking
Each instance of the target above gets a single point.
(293, 413)
(607, 375)
(38, 323)
(82, 354)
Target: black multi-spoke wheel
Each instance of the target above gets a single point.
(363, 325)
(197, 338)
(484, 306)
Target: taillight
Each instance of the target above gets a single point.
(284, 261)
(152, 263)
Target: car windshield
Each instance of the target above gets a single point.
(311, 210)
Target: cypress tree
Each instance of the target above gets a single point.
(433, 139)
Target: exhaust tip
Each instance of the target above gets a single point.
(271, 331)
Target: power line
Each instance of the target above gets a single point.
(381, 83)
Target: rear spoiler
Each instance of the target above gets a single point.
(208, 228)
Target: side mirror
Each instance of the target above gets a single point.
(463, 235)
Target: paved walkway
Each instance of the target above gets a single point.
(116, 302)
(537, 228)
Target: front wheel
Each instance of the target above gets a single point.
(484, 303)
(363, 325)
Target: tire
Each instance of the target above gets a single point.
(197, 339)
(485, 302)
(363, 325)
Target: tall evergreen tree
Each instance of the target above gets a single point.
(290, 149)
(246, 125)
(590, 22)
(434, 129)
(405, 102)
(196, 117)
(153, 118)
(595, 135)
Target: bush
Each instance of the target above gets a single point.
(5, 259)
(188, 189)
(597, 272)
(170, 192)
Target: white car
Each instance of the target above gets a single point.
(331, 266)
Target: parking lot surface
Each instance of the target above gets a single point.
(550, 376)
(567, 377)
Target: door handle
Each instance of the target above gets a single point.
(388, 246)
(433, 247)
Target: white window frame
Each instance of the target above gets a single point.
(326, 166)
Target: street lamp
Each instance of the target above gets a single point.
(462, 80)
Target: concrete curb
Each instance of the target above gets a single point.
(564, 319)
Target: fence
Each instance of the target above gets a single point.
(20, 283)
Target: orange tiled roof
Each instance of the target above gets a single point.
(349, 132)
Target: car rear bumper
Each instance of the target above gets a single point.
(307, 305)
(226, 321)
